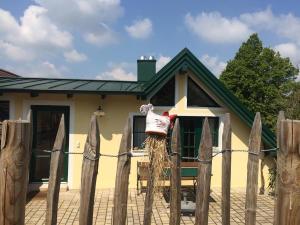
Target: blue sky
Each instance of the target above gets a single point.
(102, 39)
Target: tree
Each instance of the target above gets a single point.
(260, 78)
(293, 103)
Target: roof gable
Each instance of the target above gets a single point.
(185, 60)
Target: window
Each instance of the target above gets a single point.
(139, 135)
(190, 132)
(4, 110)
(191, 129)
(166, 95)
(196, 97)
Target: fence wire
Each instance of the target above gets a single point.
(142, 154)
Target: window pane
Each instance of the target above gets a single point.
(139, 135)
(214, 128)
(166, 95)
(198, 97)
(191, 128)
(4, 110)
(139, 124)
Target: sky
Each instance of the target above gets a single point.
(102, 39)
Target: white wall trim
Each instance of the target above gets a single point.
(26, 107)
(131, 115)
(221, 129)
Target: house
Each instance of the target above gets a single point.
(184, 87)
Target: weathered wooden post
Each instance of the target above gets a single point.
(252, 171)
(226, 170)
(14, 167)
(204, 176)
(56, 166)
(149, 196)
(123, 170)
(175, 179)
(89, 173)
(288, 161)
(278, 131)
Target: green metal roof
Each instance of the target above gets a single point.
(22, 84)
(182, 61)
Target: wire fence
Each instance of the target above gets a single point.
(144, 153)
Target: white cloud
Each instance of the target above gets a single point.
(34, 29)
(9, 25)
(290, 50)
(44, 33)
(74, 56)
(14, 52)
(82, 14)
(162, 61)
(37, 28)
(38, 69)
(32, 34)
(284, 25)
(47, 69)
(140, 29)
(102, 37)
(86, 17)
(117, 72)
(213, 27)
(214, 64)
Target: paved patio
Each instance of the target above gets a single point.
(69, 208)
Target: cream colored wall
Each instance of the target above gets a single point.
(117, 109)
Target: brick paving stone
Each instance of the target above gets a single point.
(68, 212)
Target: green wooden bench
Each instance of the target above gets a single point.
(188, 172)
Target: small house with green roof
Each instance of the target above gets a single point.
(184, 87)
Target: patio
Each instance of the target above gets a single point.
(69, 208)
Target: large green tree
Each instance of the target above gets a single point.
(260, 78)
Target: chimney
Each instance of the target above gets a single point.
(146, 68)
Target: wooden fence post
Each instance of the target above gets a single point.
(278, 125)
(89, 173)
(226, 170)
(56, 166)
(14, 168)
(123, 170)
(204, 176)
(149, 197)
(252, 171)
(288, 200)
(175, 179)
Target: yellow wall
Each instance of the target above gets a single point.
(117, 109)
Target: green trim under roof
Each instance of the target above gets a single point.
(183, 61)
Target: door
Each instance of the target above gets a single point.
(45, 125)
(191, 128)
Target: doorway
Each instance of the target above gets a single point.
(46, 121)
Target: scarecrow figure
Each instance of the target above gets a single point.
(157, 127)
